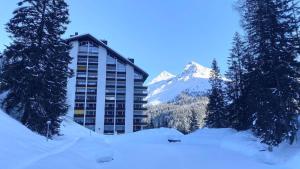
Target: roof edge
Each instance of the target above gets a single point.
(99, 42)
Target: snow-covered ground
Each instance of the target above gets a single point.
(79, 148)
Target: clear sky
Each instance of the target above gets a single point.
(158, 34)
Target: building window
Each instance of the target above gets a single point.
(80, 97)
(92, 83)
(93, 67)
(79, 112)
(110, 90)
(109, 113)
(92, 75)
(81, 60)
(120, 105)
(81, 81)
(81, 74)
(137, 76)
(108, 120)
(78, 120)
(109, 105)
(120, 97)
(91, 90)
(80, 90)
(121, 90)
(91, 105)
(93, 60)
(82, 68)
(90, 120)
(90, 112)
(120, 113)
(121, 83)
(79, 105)
(110, 75)
(121, 76)
(110, 98)
(89, 98)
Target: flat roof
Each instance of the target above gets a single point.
(100, 43)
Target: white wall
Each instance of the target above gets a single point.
(100, 107)
(129, 99)
(71, 85)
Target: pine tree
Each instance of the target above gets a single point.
(194, 119)
(235, 87)
(271, 29)
(216, 114)
(35, 69)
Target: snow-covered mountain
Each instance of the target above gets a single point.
(163, 76)
(167, 86)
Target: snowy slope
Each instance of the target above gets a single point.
(22, 149)
(166, 86)
(163, 76)
(79, 148)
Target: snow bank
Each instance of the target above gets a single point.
(153, 136)
(245, 143)
(78, 148)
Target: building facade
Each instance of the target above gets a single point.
(107, 93)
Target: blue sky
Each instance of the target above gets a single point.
(159, 34)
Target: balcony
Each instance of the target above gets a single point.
(79, 108)
(91, 100)
(141, 101)
(140, 123)
(91, 108)
(140, 108)
(141, 87)
(81, 63)
(79, 100)
(112, 109)
(140, 94)
(140, 116)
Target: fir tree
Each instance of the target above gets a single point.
(271, 29)
(235, 92)
(35, 69)
(194, 121)
(216, 114)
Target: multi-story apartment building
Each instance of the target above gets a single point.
(106, 94)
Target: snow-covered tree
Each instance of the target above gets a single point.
(35, 66)
(186, 113)
(194, 121)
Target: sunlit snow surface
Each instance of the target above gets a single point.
(79, 148)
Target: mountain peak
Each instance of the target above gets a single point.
(194, 69)
(164, 75)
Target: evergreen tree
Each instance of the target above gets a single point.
(194, 124)
(271, 29)
(216, 114)
(235, 92)
(35, 69)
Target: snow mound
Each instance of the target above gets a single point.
(153, 136)
(245, 143)
(78, 148)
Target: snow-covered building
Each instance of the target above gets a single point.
(107, 93)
